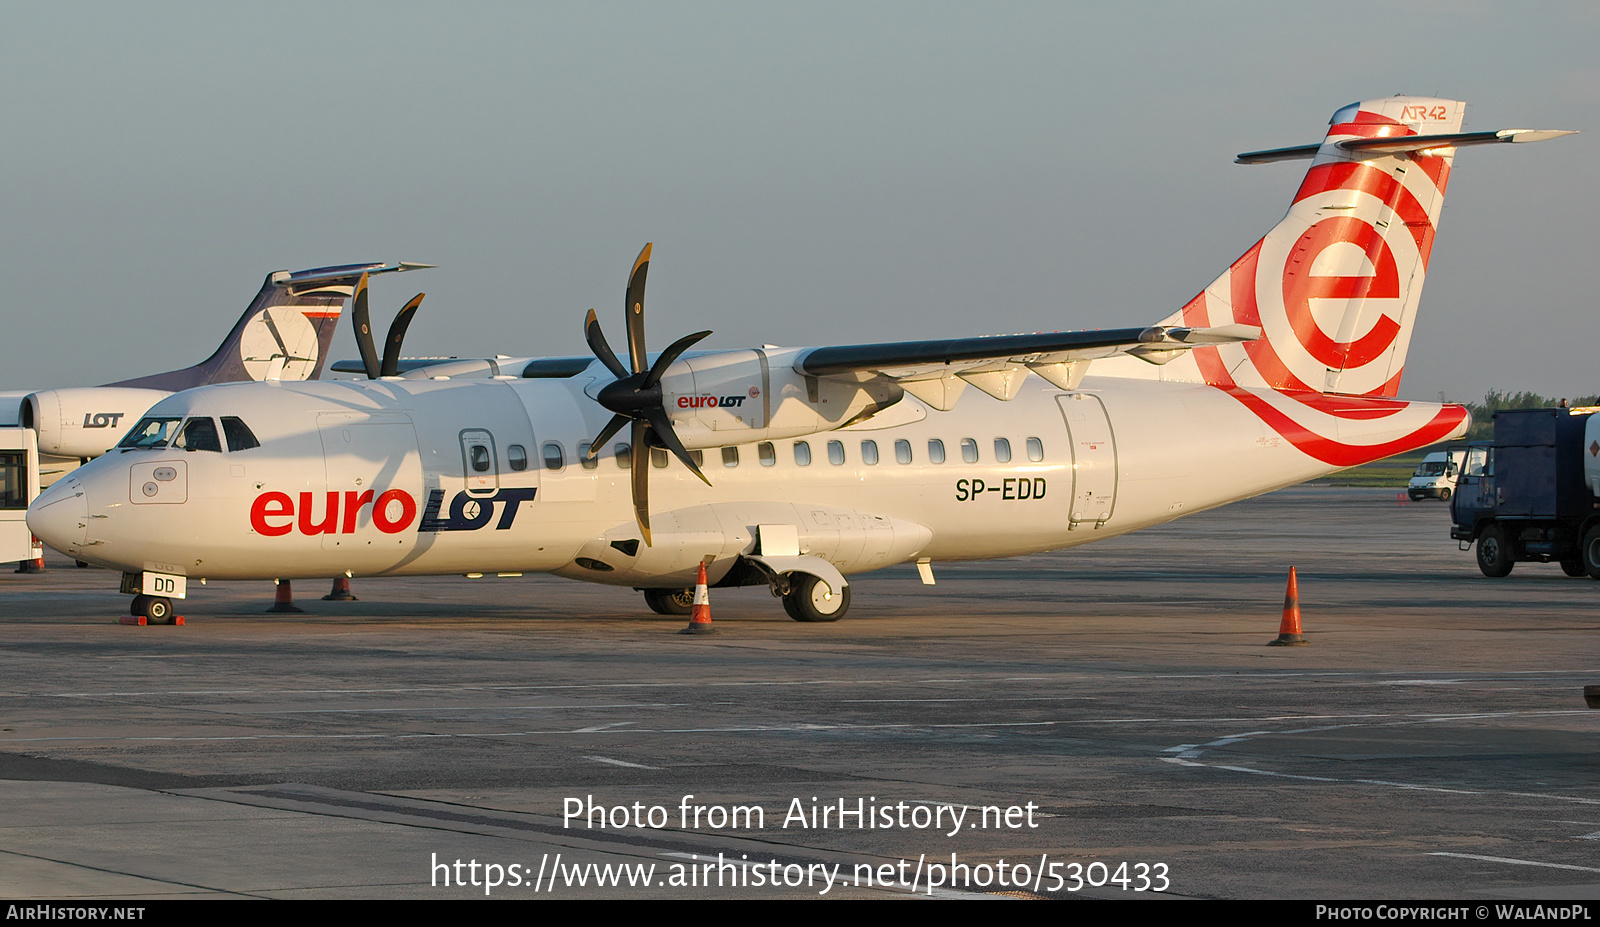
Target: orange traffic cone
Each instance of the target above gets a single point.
(1289, 630)
(700, 612)
(283, 599)
(341, 591)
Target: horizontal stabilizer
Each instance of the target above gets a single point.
(348, 275)
(1404, 143)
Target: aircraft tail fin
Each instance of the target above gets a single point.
(283, 335)
(1335, 285)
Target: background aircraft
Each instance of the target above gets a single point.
(823, 461)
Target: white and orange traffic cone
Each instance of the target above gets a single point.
(341, 591)
(700, 611)
(283, 599)
(1289, 629)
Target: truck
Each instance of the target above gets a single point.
(19, 484)
(1533, 493)
(1436, 475)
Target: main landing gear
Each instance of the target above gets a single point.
(669, 601)
(152, 608)
(808, 599)
(811, 599)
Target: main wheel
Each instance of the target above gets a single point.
(1494, 553)
(670, 601)
(1589, 552)
(810, 599)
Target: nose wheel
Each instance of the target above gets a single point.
(153, 608)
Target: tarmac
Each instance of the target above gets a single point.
(1101, 722)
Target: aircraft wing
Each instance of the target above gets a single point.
(998, 364)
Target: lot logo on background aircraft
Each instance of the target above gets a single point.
(275, 514)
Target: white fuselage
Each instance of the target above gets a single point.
(387, 477)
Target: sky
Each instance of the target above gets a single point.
(813, 173)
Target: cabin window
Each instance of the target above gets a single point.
(151, 432)
(869, 453)
(624, 455)
(585, 459)
(935, 451)
(239, 435)
(699, 458)
(517, 457)
(802, 454)
(730, 457)
(13, 480)
(479, 457)
(1035, 450)
(658, 458)
(554, 457)
(767, 453)
(969, 450)
(836, 453)
(1002, 450)
(902, 451)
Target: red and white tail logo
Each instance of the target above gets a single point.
(1334, 289)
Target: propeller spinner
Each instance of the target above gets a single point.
(362, 318)
(635, 396)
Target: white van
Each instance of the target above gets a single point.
(1437, 474)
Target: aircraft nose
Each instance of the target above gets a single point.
(60, 516)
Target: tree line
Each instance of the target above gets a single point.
(1495, 400)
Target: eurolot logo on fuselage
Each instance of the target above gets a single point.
(275, 514)
(711, 402)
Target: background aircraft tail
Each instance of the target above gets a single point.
(1334, 286)
(283, 335)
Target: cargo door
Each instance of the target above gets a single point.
(1094, 460)
(374, 478)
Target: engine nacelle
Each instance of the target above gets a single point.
(85, 422)
(736, 397)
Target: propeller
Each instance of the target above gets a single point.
(635, 395)
(360, 315)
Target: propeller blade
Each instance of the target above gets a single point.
(362, 319)
(668, 356)
(612, 427)
(397, 334)
(640, 454)
(662, 426)
(633, 307)
(600, 347)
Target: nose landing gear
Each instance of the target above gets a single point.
(153, 608)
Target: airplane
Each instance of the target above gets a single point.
(795, 467)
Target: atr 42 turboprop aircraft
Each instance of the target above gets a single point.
(822, 461)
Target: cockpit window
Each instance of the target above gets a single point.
(199, 434)
(239, 435)
(151, 432)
